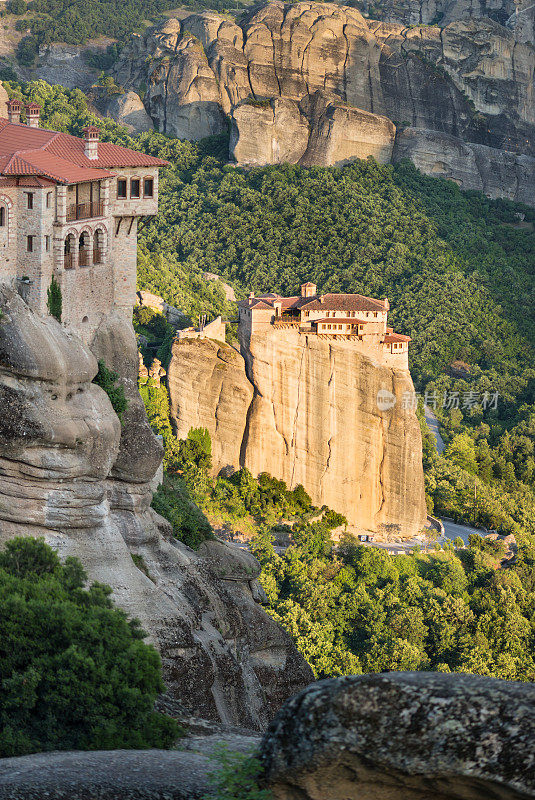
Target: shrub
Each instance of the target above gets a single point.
(17, 7)
(237, 777)
(75, 673)
(107, 379)
(27, 50)
(172, 501)
(54, 300)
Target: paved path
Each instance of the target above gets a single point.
(452, 530)
(432, 423)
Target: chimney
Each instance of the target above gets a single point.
(308, 289)
(32, 115)
(91, 137)
(386, 304)
(251, 295)
(14, 107)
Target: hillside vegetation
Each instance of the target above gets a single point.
(75, 672)
(457, 267)
(458, 270)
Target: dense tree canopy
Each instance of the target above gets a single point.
(75, 673)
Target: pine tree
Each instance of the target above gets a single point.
(54, 300)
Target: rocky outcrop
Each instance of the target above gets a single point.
(473, 79)
(107, 775)
(128, 110)
(71, 472)
(208, 388)
(517, 15)
(314, 131)
(396, 736)
(497, 173)
(409, 736)
(314, 419)
(66, 64)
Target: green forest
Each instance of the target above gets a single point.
(75, 673)
(458, 270)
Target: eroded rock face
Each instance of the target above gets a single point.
(497, 173)
(128, 110)
(473, 79)
(313, 131)
(408, 736)
(69, 471)
(313, 419)
(517, 15)
(208, 388)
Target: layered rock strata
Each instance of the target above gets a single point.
(305, 409)
(472, 79)
(497, 173)
(71, 472)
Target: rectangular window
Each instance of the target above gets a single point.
(148, 187)
(48, 199)
(135, 185)
(121, 188)
(29, 244)
(47, 244)
(29, 199)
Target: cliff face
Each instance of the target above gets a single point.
(314, 419)
(208, 388)
(69, 471)
(317, 83)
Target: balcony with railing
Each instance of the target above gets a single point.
(98, 255)
(68, 261)
(77, 211)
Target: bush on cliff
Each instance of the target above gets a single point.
(108, 381)
(75, 673)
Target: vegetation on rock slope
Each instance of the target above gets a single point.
(75, 672)
(458, 270)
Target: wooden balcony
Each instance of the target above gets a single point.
(98, 255)
(68, 261)
(78, 211)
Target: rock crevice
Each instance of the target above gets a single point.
(305, 410)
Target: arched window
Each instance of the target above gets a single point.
(98, 246)
(3, 216)
(69, 257)
(84, 243)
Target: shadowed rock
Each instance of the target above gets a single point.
(108, 775)
(72, 473)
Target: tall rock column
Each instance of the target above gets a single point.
(318, 418)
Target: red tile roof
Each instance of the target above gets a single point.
(342, 302)
(60, 156)
(390, 338)
(324, 302)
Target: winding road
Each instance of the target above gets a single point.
(432, 424)
(451, 529)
